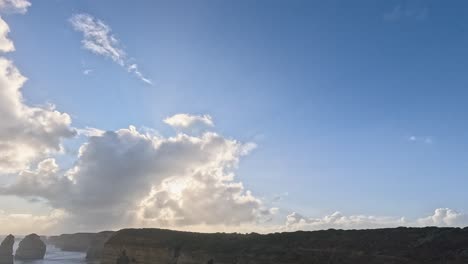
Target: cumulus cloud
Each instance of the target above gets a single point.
(98, 38)
(445, 217)
(10, 6)
(6, 45)
(184, 121)
(158, 181)
(26, 133)
(14, 6)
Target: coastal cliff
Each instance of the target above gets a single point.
(79, 242)
(96, 247)
(389, 246)
(72, 242)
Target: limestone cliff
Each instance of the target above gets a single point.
(6, 250)
(79, 242)
(389, 246)
(97, 245)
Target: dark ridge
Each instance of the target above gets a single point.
(390, 245)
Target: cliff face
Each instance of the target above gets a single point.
(73, 242)
(397, 245)
(97, 245)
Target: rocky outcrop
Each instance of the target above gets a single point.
(30, 248)
(429, 245)
(96, 247)
(6, 250)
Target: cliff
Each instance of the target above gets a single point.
(389, 246)
(72, 242)
(96, 247)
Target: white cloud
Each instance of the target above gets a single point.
(185, 121)
(10, 6)
(134, 69)
(441, 217)
(90, 132)
(87, 71)
(98, 38)
(6, 45)
(421, 139)
(26, 223)
(337, 220)
(26, 133)
(14, 6)
(176, 181)
(445, 217)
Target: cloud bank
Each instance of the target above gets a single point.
(175, 181)
(98, 38)
(444, 217)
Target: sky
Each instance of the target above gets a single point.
(237, 116)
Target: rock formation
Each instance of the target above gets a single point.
(30, 248)
(429, 245)
(6, 250)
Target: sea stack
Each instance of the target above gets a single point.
(6, 250)
(30, 248)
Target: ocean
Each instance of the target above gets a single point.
(56, 256)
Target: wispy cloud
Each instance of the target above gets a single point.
(87, 71)
(98, 38)
(421, 139)
(400, 12)
(14, 6)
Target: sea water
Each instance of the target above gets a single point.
(56, 256)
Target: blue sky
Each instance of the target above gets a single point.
(355, 106)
